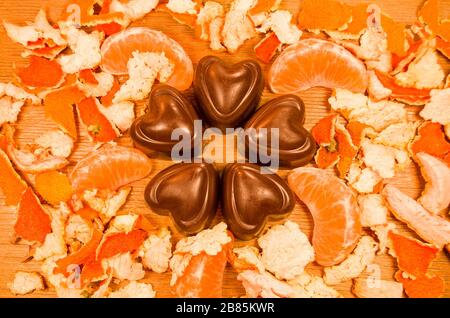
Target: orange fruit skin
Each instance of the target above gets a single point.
(118, 49)
(110, 167)
(203, 277)
(335, 211)
(314, 62)
(32, 223)
(11, 184)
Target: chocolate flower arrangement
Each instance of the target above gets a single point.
(227, 97)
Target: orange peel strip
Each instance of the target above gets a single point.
(183, 18)
(356, 131)
(33, 223)
(267, 48)
(88, 76)
(429, 14)
(396, 35)
(58, 106)
(107, 100)
(325, 158)
(323, 132)
(430, 139)
(11, 184)
(323, 15)
(87, 213)
(91, 271)
(346, 149)
(359, 19)
(98, 126)
(41, 73)
(119, 243)
(421, 287)
(84, 255)
(54, 187)
(109, 28)
(413, 256)
(443, 47)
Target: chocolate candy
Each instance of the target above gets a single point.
(250, 198)
(188, 193)
(167, 110)
(227, 94)
(287, 113)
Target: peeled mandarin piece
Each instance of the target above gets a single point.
(335, 211)
(313, 62)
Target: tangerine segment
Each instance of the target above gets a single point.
(118, 49)
(337, 226)
(314, 62)
(110, 167)
(11, 184)
(203, 277)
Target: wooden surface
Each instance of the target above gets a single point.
(32, 122)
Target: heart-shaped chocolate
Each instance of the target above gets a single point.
(296, 147)
(227, 94)
(188, 193)
(250, 199)
(167, 110)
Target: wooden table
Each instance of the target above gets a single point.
(32, 123)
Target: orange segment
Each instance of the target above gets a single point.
(337, 226)
(314, 62)
(323, 15)
(110, 167)
(54, 187)
(11, 184)
(203, 277)
(41, 73)
(98, 126)
(58, 106)
(32, 223)
(118, 49)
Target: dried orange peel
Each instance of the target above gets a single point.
(41, 73)
(87, 76)
(422, 287)
(268, 47)
(324, 15)
(359, 20)
(326, 159)
(323, 132)
(11, 184)
(107, 100)
(59, 104)
(430, 139)
(118, 243)
(429, 15)
(346, 149)
(443, 47)
(396, 35)
(33, 223)
(100, 129)
(54, 187)
(357, 131)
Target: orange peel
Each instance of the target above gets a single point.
(263, 6)
(41, 73)
(119, 243)
(326, 159)
(346, 149)
(421, 287)
(324, 131)
(58, 106)
(431, 140)
(54, 187)
(11, 184)
(33, 223)
(443, 47)
(87, 76)
(324, 15)
(429, 14)
(357, 131)
(359, 19)
(99, 127)
(396, 35)
(266, 49)
(107, 100)
(413, 256)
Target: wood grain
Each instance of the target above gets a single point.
(33, 122)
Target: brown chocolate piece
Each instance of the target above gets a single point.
(188, 193)
(250, 199)
(227, 94)
(287, 113)
(168, 109)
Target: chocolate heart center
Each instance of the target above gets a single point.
(186, 192)
(286, 113)
(168, 109)
(250, 198)
(227, 94)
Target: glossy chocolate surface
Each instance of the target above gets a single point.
(188, 193)
(250, 199)
(167, 110)
(227, 94)
(287, 113)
